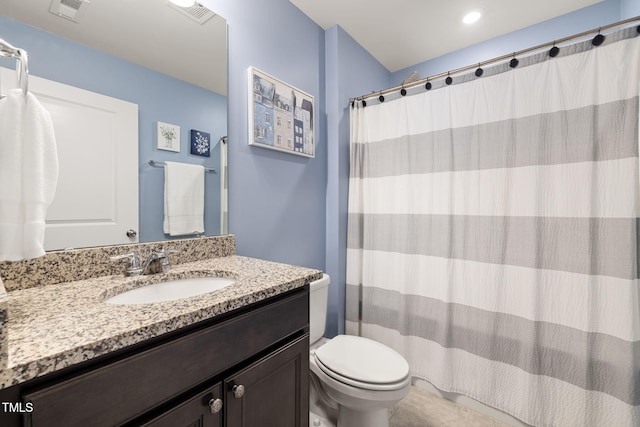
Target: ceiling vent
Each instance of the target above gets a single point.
(69, 9)
(197, 12)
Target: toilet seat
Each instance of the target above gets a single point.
(359, 384)
(362, 363)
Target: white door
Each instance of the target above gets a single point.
(96, 200)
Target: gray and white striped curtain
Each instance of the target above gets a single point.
(493, 234)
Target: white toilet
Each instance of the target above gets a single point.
(363, 377)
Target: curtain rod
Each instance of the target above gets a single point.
(497, 59)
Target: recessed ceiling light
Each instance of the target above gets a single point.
(471, 17)
(183, 3)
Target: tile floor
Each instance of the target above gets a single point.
(423, 409)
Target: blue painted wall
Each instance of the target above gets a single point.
(629, 9)
(179, 103)
(282, 207)
(350, 72)
(276, 199)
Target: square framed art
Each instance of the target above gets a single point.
(168, 137)
(200, 143)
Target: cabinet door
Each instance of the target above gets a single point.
(202, 410)
(273, 392)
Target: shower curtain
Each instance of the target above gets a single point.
(493, 233)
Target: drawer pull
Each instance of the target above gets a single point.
(238, 391)
(215, 405)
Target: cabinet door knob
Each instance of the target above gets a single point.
(215, 405)
(238, 391)
(132, 233)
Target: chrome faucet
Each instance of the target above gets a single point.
(135, 269)
(162, 255)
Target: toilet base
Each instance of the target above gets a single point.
(348, 417)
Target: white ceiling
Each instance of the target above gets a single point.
(402, 33)
(145, 32)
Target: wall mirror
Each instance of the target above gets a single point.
(168, 61)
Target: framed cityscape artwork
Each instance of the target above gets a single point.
(280, 116)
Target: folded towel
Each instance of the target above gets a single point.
(28, 175)
(183, 199)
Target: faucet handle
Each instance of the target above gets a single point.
(134, 263)
(164, 254)
(133, 258)
(169, 251)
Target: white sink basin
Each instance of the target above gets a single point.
(171, 290)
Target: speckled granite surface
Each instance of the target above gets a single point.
(55, 326)
(64, 266)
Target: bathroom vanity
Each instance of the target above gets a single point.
(234, 357)
(235, 371)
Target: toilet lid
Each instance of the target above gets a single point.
(363, 360)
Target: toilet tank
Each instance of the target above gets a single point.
(318, 297)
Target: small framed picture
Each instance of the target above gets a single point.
(168, 137)
(200, 143)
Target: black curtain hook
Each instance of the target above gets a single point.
(428, 85)
(448, 80)
(479, 70)
(553, 52)
(364, 103)
(598, 39)
(514, 61)
(403, 91)
(381, 98)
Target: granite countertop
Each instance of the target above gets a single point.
(52, 327)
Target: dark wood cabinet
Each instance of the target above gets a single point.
(202, 410)
(273, 392)
(182, 379)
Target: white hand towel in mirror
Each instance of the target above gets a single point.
(183, 199)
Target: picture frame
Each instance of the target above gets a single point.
(168, 137)
(281, 116)
(200, 143)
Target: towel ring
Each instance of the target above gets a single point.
(22, 64)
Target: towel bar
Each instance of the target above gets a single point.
(161, 164)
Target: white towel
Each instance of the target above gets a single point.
(28, 175)
(183, 199)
